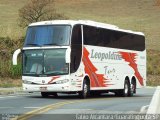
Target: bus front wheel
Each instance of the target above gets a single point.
(44, 94)
(85, 91)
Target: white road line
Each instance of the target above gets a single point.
(6, 97)
(149, 87)
(6, 107)
(32, 107)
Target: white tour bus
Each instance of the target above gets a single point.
(85, 57)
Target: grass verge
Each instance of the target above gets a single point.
(153, 80)
(8, 82)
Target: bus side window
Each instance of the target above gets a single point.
(90, 35)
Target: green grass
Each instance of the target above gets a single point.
(9, 18)
(153, 67)
(153, 62)
(8, 82)
(8, 46)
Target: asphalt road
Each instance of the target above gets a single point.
(68, 107)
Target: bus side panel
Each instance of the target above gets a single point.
(141, 62)
(108, 67)
(77, 78)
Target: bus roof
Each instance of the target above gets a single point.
(84, 22)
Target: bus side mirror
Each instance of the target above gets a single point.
(67, 57)
(15, 55)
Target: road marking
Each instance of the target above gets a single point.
(149, 87)
(46, 108)
(6, 107)
(52, 107)
(6, 97)
(43, 109)
(31, 107)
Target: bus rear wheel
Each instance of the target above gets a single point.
(126, 91)
(133, 86)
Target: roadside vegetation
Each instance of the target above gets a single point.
(153, 67)
(138, 15)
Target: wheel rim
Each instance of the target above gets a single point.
(132, 87)
(126, 89)
(85, 89)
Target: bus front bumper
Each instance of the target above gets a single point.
(46, 88)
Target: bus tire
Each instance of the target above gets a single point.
(86, 90)
(124, 92)
(44, 94)
(55, 94)
(132, 89)
(134, 86)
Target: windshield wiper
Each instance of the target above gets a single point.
(55, 73)
(33, 44)
(49, 44)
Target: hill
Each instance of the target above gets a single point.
(138, 15)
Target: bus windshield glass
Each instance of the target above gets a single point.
(46, 35)
(46, 62)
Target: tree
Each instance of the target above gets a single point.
(38, 10)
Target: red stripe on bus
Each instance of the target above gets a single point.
(131, 58)
(97, 80)
(53, 78)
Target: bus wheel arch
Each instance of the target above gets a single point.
(85, 88)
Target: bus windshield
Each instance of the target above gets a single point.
(46, 35)
(45, 62)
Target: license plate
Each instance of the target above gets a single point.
(43, 88)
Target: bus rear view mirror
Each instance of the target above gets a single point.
(15, 55)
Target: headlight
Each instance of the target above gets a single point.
(61, 81)
(27, 82)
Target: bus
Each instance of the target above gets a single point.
(83, 57)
